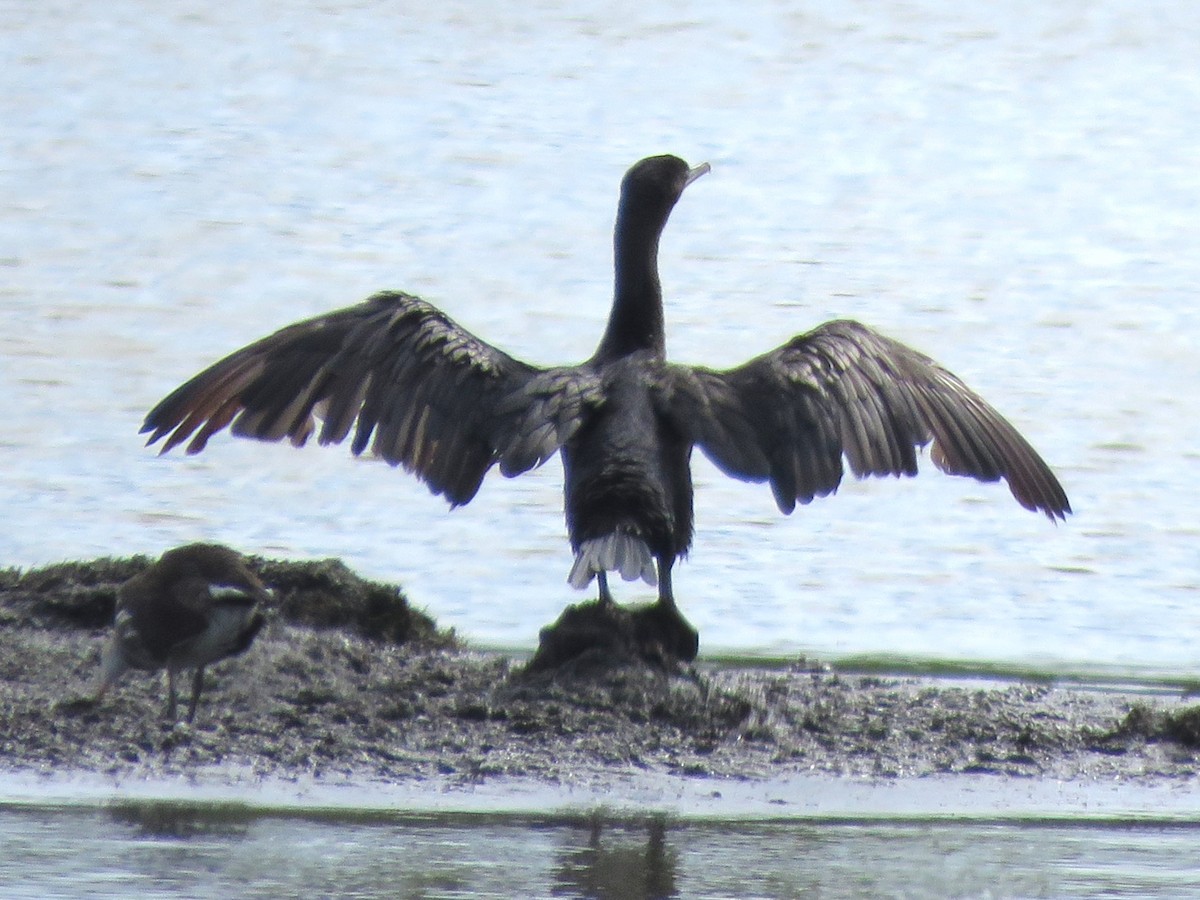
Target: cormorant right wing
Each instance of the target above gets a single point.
(843, 389)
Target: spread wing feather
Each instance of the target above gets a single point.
(843, 390)
(418, 389)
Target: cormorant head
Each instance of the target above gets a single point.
(654, 184)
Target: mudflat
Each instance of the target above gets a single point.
(348, 680)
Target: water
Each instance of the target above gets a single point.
(1010, 187)
(803, 837)
(170, 850)
(1012, 190)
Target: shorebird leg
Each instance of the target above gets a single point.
(197, 687)
(172, 697)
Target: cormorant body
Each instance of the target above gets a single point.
(426, 394)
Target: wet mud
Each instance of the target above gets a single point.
(348, 679)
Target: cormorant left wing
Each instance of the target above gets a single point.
(418, 389)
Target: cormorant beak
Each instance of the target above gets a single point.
(696, 172)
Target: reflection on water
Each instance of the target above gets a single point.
(618, 864)
(147, 850)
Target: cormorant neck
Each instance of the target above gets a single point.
(636, 320)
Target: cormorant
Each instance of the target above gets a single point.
(195, 606)
(424, 393)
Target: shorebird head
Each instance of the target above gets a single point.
(113, 663)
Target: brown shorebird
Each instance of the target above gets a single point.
(195, 606)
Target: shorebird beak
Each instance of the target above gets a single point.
(695, 172)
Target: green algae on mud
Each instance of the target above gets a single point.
(331, 690)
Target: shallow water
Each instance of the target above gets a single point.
(172, 850)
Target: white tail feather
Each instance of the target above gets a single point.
(618, 552)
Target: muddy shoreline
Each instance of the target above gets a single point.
(348, 681)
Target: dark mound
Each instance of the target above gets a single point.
(599, 635)
(322, 594)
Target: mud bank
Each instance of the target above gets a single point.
(348, 680)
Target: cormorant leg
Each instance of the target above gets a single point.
(665, 595)
(606, 597)
(197, 687)
(680, 637)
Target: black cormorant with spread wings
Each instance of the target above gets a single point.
(424, 393)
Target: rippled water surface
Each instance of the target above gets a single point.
(153, 851)
(1011, 189)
